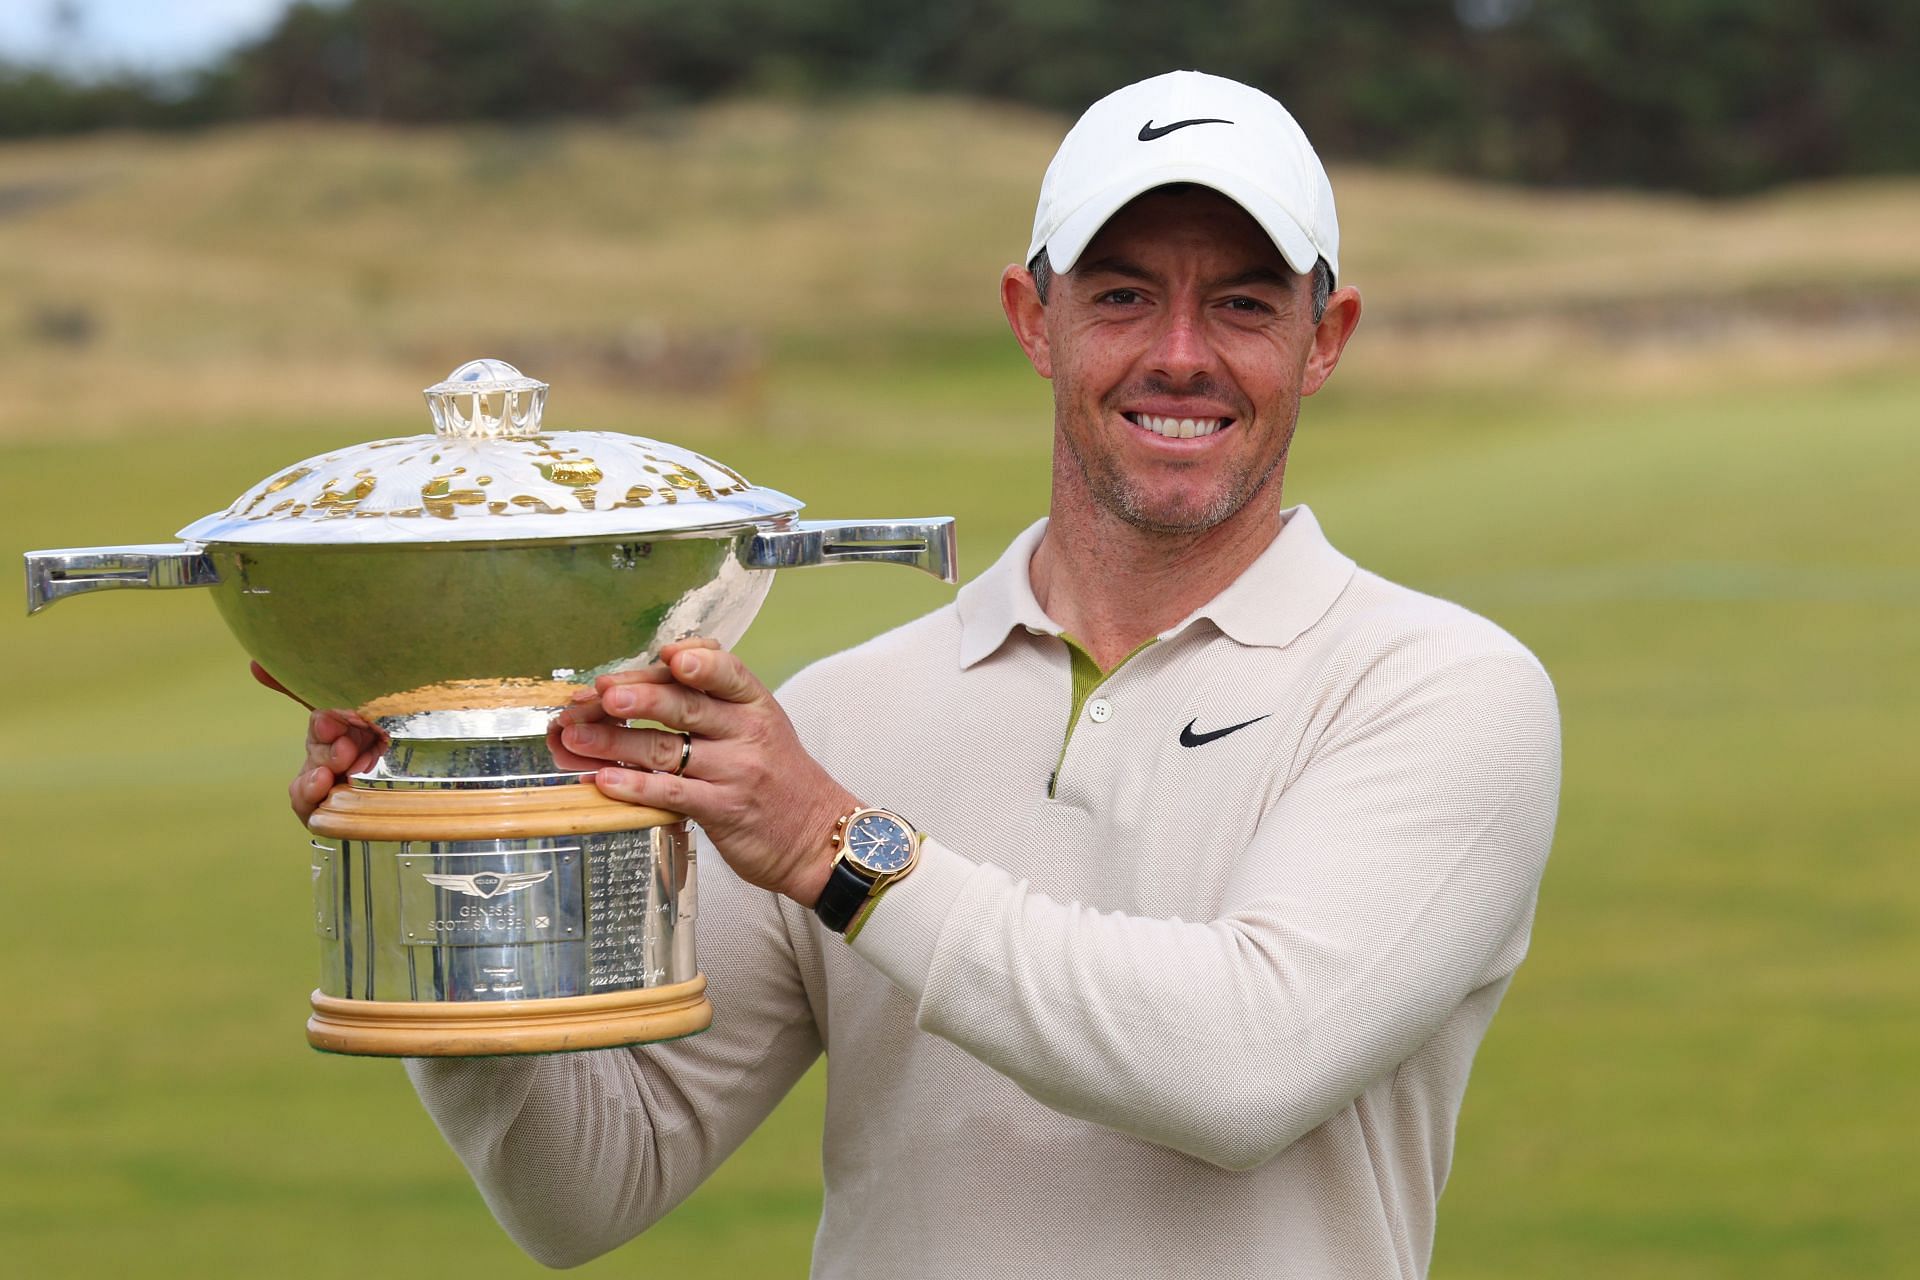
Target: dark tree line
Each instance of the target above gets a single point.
(1703, 95)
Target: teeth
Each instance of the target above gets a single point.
(1178, 428)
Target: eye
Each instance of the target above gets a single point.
(1247, 306)
(1121, 297)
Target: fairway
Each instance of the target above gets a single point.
(1702, 1070)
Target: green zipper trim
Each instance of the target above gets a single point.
(1087, 676)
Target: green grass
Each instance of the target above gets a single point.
(1704, 1068)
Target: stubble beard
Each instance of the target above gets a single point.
(1113, 491)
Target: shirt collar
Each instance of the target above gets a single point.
(1289, 587)
(1000, 599)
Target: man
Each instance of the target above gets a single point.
(1231, 847)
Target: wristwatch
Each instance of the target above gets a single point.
(875, 847)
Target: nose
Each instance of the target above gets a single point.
(1182, 351)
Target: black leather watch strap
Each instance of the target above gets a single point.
(840, 902)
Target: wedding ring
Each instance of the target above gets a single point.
(686, 754)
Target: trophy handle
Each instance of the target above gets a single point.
(55, 575)
(926, 545)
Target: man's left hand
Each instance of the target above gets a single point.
(768, 806)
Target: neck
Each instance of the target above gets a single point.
(1113, 586)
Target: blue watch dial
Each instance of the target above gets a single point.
(879, 843)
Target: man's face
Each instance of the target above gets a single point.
(1179, 347)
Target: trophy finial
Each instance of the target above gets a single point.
(486, 398)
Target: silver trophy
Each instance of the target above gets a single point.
(471, 896)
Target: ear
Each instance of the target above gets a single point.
(1330, 337)
(1027, 316)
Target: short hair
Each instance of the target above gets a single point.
(1041, 269)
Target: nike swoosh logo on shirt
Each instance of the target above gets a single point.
(1188, 738)
(1148, 132)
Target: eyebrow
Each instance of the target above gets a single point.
(1133, 271)
(1257, 275)
(1115, 267)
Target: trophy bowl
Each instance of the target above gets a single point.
(471, 895)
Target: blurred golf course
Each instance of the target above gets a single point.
(1672, 445)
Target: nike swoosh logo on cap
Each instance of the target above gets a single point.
(1188, 738)
(1148, 132)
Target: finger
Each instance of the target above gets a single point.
(652, 673)
(564, 756)
(265, 677)
(337, 739)
(690, 796)
(654, 749)
(585, 708)
(683, 646)
(720, 674)
(341, 752)
(326, 734)
(342, 757)
(334, 723)
(590, 756)
(675, 705)
(642, 748)
(307, 790)
(319, 754)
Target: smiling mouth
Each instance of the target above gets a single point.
(1177, 428)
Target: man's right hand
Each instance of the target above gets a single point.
(339, 743)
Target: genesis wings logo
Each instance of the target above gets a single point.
(488, 884)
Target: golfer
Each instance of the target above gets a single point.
(1149, 901)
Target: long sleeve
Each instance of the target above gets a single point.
(1394, 875)
(577, 1153)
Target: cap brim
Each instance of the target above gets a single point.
(1078, 228)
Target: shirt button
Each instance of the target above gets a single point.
(1100, 710)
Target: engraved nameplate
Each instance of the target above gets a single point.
(631, 901)
(497, 897)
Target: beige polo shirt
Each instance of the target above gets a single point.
(1192, 990)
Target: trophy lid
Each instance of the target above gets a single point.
(490, 472)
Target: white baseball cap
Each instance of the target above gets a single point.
(1187, 126)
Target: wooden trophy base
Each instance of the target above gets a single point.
(428, 830)
(427, 1029)
(354, 813)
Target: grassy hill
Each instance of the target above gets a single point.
(1669, 444)
(254, 272)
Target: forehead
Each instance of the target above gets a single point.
(1185, 224)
